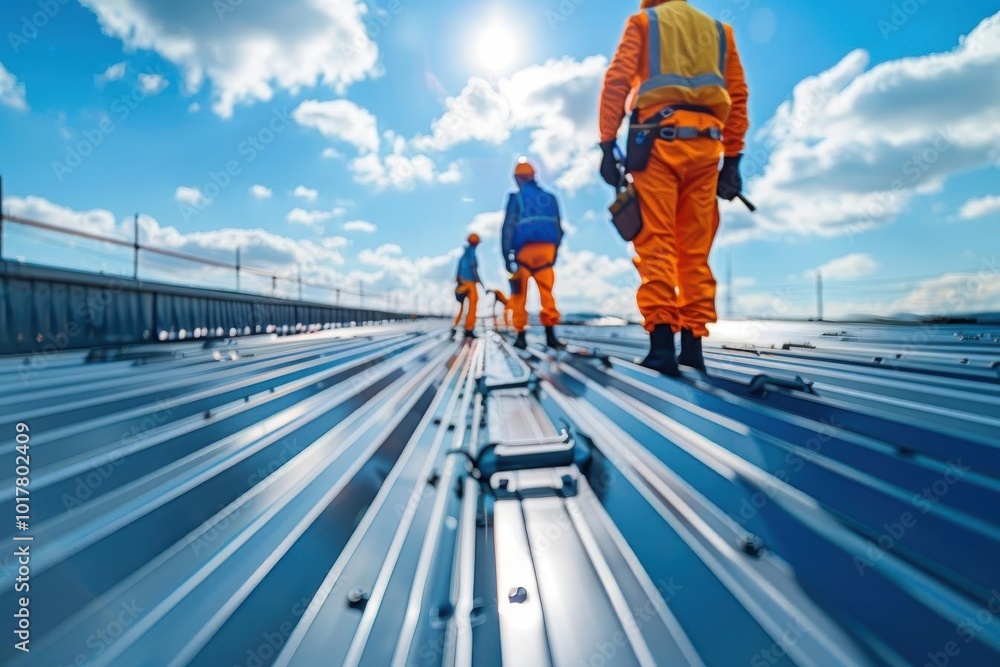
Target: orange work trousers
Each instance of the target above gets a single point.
(471, 292)
(535, 260)
(680, 218)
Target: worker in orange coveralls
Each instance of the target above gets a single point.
(531, 235)
(467, 286)
(679, 73)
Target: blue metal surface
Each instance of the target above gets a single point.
(300, 500)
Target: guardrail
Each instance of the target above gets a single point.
(46, 309)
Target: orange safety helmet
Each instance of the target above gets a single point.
(524, 170)
(473, 239)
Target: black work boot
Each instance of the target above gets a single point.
(691, 351)
(522, 342)
(661, 351)
(551, 340)
(469, 333)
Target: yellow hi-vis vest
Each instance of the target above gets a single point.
(687, 61)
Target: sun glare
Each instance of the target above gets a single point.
(495, 46)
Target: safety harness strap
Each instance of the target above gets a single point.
(535, 269)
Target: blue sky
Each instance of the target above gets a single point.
(380, 133)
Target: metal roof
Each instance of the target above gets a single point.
(829, 495)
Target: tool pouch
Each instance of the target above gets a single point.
(460, 293)
(515, 285)
(639, 148)
(625, 213)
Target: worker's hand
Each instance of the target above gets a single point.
(730, 181)
(610, 166)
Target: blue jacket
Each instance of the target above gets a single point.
(468, 266)
(532, 217)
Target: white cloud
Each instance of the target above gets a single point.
(261, 192)
(302, 192)
(341, 120)
(555, 101)
(849, 267)
(190, 196)
(395, 171)
(590, 281)
(487, 225)
(980, 208)
(452, 175)
(247, 51)
(854, 146)
(479, 113)
(112, 73)
(400, 170)
(152, 84)
(954, 293)
(299, 216)
(97, 221)
(332, 154)
(194, 107)
(11, 90)
(424, 283)
(360, 226)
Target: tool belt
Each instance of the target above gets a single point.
(626, 215)
(642, 136)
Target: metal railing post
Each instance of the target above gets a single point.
(135, 247)
(237, 268)
(1, 218)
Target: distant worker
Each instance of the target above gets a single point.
(680, 73)
(506, 315)
(531, 235)
(467, 286)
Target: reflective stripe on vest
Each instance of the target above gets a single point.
(539, 217)
(704, 85)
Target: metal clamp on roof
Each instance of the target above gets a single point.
(505, 456)
(761, 383)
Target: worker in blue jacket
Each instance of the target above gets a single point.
(531, 235)
(467, 286)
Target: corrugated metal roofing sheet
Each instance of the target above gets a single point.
(389, 497)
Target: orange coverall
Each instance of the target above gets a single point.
(507, 311)
(535, 255)
(471, 292)
(677, 190)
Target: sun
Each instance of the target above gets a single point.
(495, 46)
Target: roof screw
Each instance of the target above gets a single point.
(357, 598)
(517, 595)
(753, 546)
